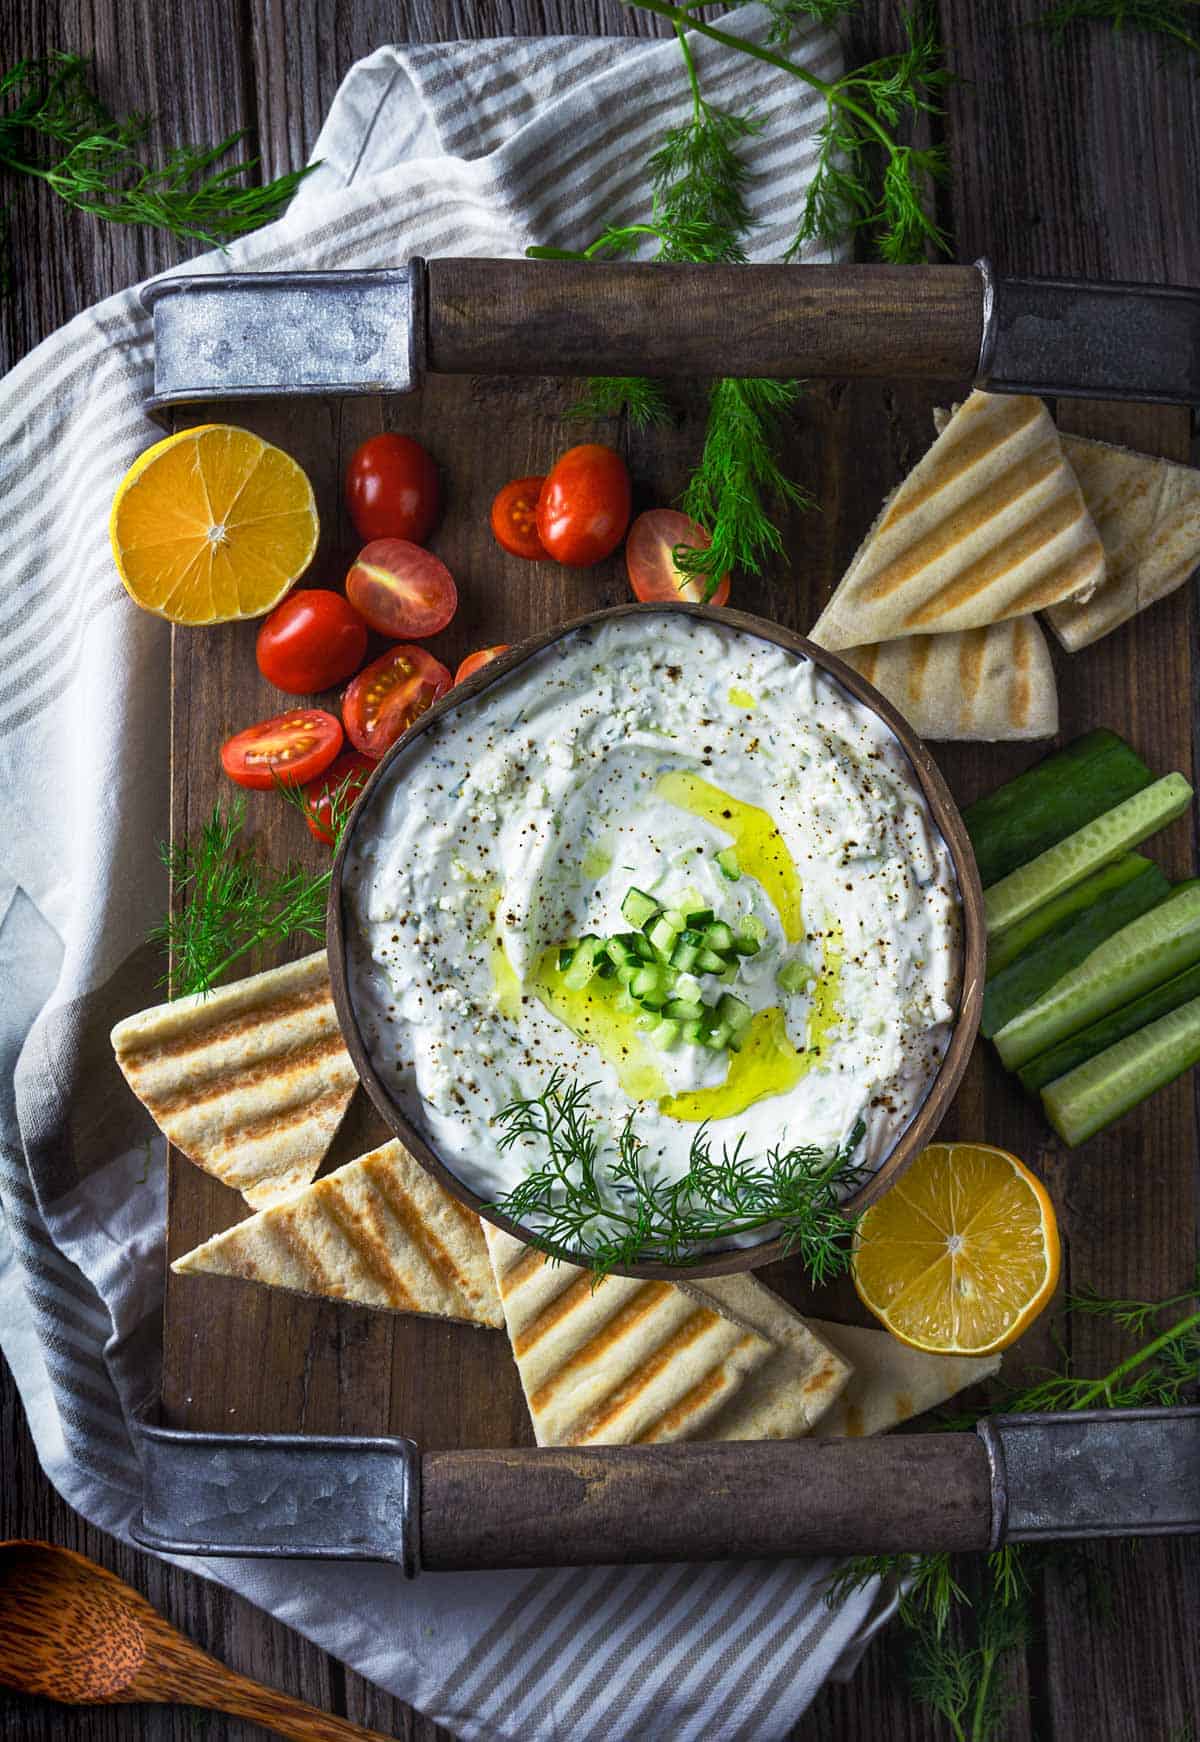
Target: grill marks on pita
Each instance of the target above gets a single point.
(618, 1362)
(984, 684)
(379, 1232)
(990, 525)
(250, 1082)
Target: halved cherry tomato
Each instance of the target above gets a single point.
(345, 778)
(392, 489)
(310, 642)
(651, 566)
(401, 589)
(474, 661)
(584, 506)
(389, 694)
(284, 751)
(514, 518)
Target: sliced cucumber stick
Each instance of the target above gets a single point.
(1071, 942)
(1099, 842)
(1097, 1036)
(1100, 1091)
(1051, 800)
(1007, 945)
(1144, 953)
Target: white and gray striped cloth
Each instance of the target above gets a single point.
(460, 148)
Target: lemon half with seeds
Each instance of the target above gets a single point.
(212, 525)
(962, 1254)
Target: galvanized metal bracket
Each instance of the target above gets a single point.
(262, 335)
(296, 1496)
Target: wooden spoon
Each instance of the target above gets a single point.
(72, 1631)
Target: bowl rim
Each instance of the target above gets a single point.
(947, 820)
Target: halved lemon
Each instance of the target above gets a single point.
(962, 1254)
(212, 525)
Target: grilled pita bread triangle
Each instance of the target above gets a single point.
(615, 1362)
(378, 1231)
(250, 1082)
(982, 684)
(785, 1397)
(990, 524)
(890, 1381)
(1147, 511)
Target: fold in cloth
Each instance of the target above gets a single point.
(475, 148)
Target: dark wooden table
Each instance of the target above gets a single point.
(1079, 158)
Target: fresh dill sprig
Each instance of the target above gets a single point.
(1175, 20)
(226, 903)
(739, 483)
(958, 1676)
(642, 401)
(55, 128)
(631, 1217)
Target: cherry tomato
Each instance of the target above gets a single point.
(474, 661)
(583, 509)
(401, 589)
(311, 642)
(388, 695)
(514, 517)
(345, 777)
(392, 489)
(285, 751)
(651, 566)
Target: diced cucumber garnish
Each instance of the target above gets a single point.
(727, 864)
(719, 937)
(745, 943)
(733, 1012)
(666, 1035)
(794, 975)
(638, 907)
(566, 956)
(685, 1009)
(1094, 845)
(662, 935)
(698, 920)
(1150, 949)
(709, 962)
(684, 955)
(1116, 1080)
(583, 963)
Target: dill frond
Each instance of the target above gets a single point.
(632, 1216)
(54, 127)
(228, 903)
(642, 401)
(1175, 21)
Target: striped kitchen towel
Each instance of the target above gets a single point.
(454, 148)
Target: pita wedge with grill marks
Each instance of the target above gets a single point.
(785, 1397)
(379, 1232)
(990, 525)
(620, 1361)
(891, 1382)
(981, 684)
(250, 1082)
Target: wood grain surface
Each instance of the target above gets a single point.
(1077, 158)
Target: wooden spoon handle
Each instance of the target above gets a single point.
(209, 1683)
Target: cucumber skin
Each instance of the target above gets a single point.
(1018, 894)
(1184, 942)
(1071, 942)
(1077, 1049)
(1147, 1061)
(1051, 800)
(1007, 945)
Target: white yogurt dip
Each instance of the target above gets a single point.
(627, 756)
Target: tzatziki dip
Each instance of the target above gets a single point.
(670, 860)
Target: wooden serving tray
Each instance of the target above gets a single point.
(243, 1358)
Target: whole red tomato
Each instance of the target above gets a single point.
(584, 506)
(388, 695)
(392, 489)
(310, 642)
